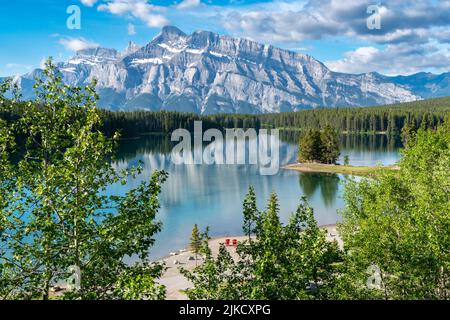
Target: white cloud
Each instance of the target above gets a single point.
(188, 4)
(18, 66)
(296, 20)
(395, 59)
(16, 69)
(359, 61)
(414, 35)
(139, 9)
(76, 44)
(131, 29)
(88, 3)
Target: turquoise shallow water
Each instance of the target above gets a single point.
(212, 195)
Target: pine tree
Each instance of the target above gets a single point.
(310, 146)
(195, 242)
(408, 132)
(329, 145)
(319, 146)
(250, 212)
(346, 160)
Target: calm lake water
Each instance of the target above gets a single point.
(212, 195)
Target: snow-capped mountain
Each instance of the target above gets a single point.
(208, 73)
(130, 49)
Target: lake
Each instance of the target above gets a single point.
(212, 195)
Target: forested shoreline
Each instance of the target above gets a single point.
(387, 119)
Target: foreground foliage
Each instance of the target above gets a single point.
(400, 224)
(396, 233)
(293, 261)
(58, 226)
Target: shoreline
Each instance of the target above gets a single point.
(342, 169)
(344, 132)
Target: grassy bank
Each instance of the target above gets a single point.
(336, 168)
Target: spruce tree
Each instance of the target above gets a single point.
(310, 146)
(250, 212)
(195, 242)
(329, 145)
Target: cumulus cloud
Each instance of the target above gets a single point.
(394, 59)
(280, 22)
(16, 69)
(288, 21)
(88, 3)
(76, 44)
(140, 9)
(188, 4)
(414, 35)
(18, 66)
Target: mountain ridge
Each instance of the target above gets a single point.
(206, 73)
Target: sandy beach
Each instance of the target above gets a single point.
(175, 282)
(342, 169)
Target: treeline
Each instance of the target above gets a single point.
(389, 119)
(135, 123)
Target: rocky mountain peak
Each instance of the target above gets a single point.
(169, 34)
(203, 39)
(98, 52)
(132, 47)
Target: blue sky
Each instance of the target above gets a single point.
(413, 36)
